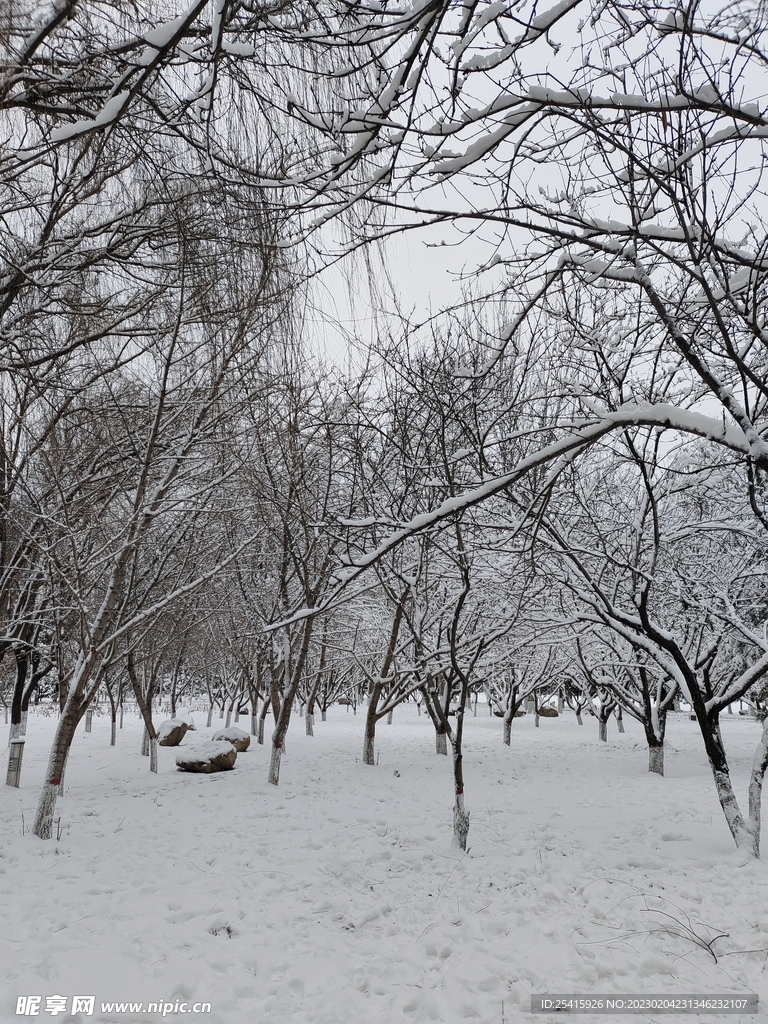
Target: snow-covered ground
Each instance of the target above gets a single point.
(337, 898)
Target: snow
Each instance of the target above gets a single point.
(337, 897)
(106, 116)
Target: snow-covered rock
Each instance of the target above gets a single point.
(237, 737)
(172, 732)
(185, 715)
(207, 757)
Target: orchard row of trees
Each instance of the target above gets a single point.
(560, 478)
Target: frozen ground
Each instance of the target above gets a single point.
(337, 898)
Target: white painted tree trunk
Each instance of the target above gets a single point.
(229, 718)
(656, 759)
(310, 724)
(389, 716)
(323, 717)
(153, 755)
(24, 720)
(579, 719)
(602, 730)
(210, 717)
(759, 765)
(145, 743)
(441, 743)
(743, 835)
(274, 765)
(619, 720)
(507, 731)
(460, 823)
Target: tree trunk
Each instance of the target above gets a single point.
(369, 738)
(309, 721)
(602, 727)
(441, 743)
(153, 754)
(113, 730)
(759, 766)
(619, 719)
(389, 716)
(54, 777)
(579, 719)
(368, 747)
(742, 831)
(210, 717)
(507, 730)
(322, 714)
(145, 742)
(274, 763)
(254, 720)
(460, 823)
(656, 759)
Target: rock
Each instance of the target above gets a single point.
(172, 732)
(548, 713)
(207, 757)
(237, 737)
(185, 715)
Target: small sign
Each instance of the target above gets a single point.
(14, 762)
